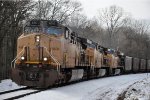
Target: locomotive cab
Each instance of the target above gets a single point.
(112, 61)
(51, 27)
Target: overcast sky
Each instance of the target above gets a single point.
(140, 9)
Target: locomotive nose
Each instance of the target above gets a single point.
(34, 48)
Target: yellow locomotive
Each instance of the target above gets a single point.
(49, 53)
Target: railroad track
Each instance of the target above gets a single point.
(18, 93)
(1, 93)
(21, 92)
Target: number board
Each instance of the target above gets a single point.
(52, 23)
(35, 22)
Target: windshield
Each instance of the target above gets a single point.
(46, 30)
(54, 30)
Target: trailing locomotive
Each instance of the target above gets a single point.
(49, 53)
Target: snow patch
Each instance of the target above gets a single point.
(139, 91)
(7, 85)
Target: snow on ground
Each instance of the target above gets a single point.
(139, 91)
(134, 87)
(7, 84)
(98, 89)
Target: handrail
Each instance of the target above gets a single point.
(16, 57)
(56, 61)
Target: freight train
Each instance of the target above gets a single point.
(49, 53)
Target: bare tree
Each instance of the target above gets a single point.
(141, 28)
(77, 20)
(137, 39)
(12, 14)
(56, 9)
(113, 18)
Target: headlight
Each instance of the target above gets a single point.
(37, 38)
(45, 59)
(121, 54)
(109, 50)
(22, 58)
